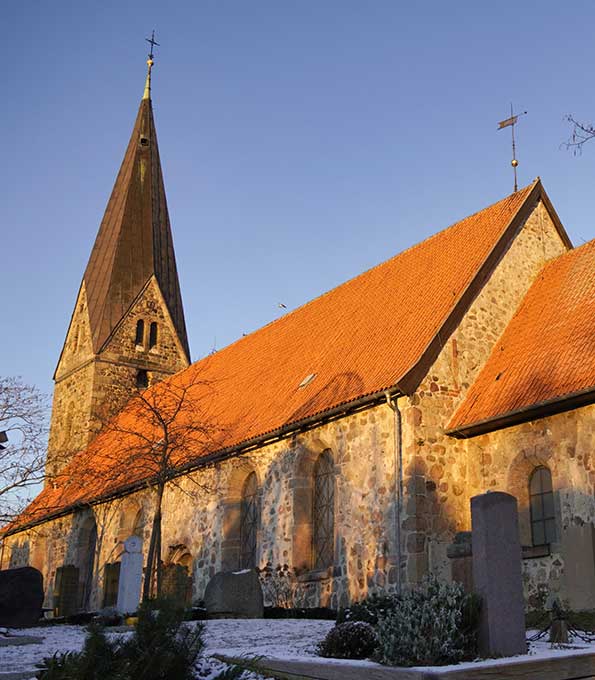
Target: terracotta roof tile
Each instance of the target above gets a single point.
(547, 352)
(358, 339)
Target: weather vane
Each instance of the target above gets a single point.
(511, 122)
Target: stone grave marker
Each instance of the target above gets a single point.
(578, 548)
(66, 590)
(21, 597)
(131, 575)
(234, 594)
(497, 577)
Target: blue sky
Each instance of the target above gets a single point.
(302, 142)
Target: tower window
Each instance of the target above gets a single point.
(153, 335)
(140, 332)
(142, 379)
(144, 141)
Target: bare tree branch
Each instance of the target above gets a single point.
(581, 133)
(23, 417)
(160, 429)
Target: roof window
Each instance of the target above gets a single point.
(307, 380)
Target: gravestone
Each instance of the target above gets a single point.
(111, 580)
(177, 584)
(66, 590)
(497, 574)
(21, 597)
(578, 548)
(461, 560)
(131, 575)
(234, 594)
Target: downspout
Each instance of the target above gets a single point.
(393, 404)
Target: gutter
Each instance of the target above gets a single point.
(257, 442)
(398, 454)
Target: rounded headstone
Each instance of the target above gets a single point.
(133, 544)
(21, 597)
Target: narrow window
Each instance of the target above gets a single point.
(323, 512)
(248, 522)
(140, 332)
(142, 379)
(152, 334)
(543, 516)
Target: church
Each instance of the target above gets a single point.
(344, 439)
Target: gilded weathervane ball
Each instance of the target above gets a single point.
(514, 162)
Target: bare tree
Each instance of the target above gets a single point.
(23, 431)
(160, 431)
(581, 133)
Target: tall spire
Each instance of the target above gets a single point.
(134, 242)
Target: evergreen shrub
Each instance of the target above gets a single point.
(433, 625)
(351, 640)
(368, 610)
(161, 648)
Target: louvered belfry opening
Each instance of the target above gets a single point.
(323, 512)
(249, 522)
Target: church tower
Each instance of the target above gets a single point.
(127, 329)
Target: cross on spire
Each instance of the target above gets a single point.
(152, 42)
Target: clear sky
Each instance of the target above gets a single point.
(301, 142)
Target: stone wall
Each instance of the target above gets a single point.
(564, 443)
(199, 515)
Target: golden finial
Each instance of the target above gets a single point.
(150, 62)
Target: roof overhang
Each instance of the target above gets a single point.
(543, 409)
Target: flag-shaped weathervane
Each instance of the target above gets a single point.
(511, 122)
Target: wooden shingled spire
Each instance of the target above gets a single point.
(134, 240)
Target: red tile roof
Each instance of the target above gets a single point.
(545, 360)
(359, 339)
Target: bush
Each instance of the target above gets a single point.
(433, 625)
(368, 610)
(351, 640)
(161, 648)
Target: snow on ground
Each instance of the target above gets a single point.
(292, 639)
(234, 637)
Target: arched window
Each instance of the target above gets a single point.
(152, 334)
(543, 516)
(323, 512)
(248, 522)
(140, 333)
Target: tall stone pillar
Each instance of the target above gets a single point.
(497, 574)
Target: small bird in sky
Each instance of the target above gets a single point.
(281, 305)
